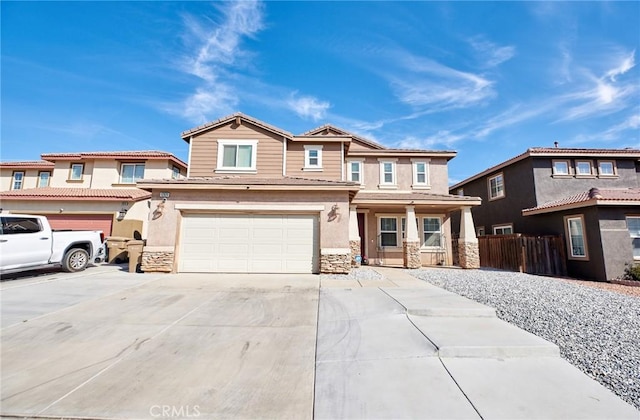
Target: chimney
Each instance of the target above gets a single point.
(595, 193)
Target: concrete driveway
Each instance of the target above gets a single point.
(108, 344)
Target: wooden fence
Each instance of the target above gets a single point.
(543, 255)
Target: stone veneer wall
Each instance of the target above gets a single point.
(411, 254)
(335, 261)
(157, 261)
(469, 254)
(355, 251)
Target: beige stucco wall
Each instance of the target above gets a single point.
(164, 231)
(438, 174)
(30, 178)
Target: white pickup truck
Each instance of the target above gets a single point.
(27, 242)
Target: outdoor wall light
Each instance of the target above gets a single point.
(121, 214)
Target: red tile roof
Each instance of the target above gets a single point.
(80, 194)
(27, 164)
(411, 196)
(130, 154)
(595, 196)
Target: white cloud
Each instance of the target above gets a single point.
(431, 83)
(614, 133)
(626, 63)
(217, 50)
(492, 54)
(308, 106)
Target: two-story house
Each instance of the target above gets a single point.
(91, 190)
(591, 197)
(260, 199)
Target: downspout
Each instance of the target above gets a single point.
(189, 158)
(341, 161)
(284, 156)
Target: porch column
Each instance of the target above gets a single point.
(468, 252)
(411, 242)
(354, 237)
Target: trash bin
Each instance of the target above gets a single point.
(117, 248)
(134, 247)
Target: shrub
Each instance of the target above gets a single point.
(632, 272)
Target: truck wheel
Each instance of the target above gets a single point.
(75, 259)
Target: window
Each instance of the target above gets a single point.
(431, 232)
(496, 187)
(480, 231)
(583, 167)
(503, 230)
(312, 158)
(15, 225)
(175, 172)
(387, 174)
(420, 174)
(633, 224)
(561, 167)
(355, 171)
(606, 168)
(237, 155)
(75, 174)
(460, 192)
(388, 232)
(575, 233)
(131, 172)
(43, 179)
(18, 181)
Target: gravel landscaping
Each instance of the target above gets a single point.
(362, 273)
(597, 330)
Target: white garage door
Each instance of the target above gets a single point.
(248, 244)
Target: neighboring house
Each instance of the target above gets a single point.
(589, 196)
(92, 190)
(260, 199)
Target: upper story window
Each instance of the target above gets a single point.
(583, 168)
(561, 167)
(480, 231)
(76, 171)
(460, 192)
(43, 179)
(606, 168)
(312, 158)
(574, 226)
(420, 173)
(496, 187)
(131, 172)
(175, 172)
(633, 224)
(388, 174)
(355, 171)
(503, 230)
(237, 155)
(18, 181)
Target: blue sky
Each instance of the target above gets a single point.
(487, 79)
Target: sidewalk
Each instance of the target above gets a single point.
(402, 348)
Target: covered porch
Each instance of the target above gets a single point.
(411, 230)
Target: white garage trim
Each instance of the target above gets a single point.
(251, 207)
(248, 243)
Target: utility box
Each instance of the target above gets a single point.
(117, 248)
(134, 247)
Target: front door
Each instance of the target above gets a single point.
(361, 232)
